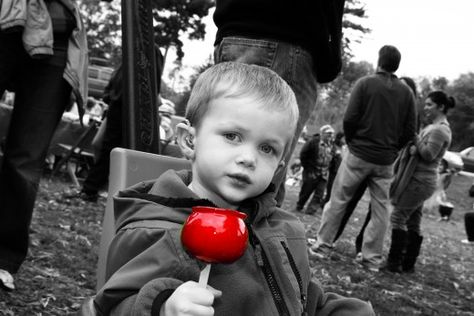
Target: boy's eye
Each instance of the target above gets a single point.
(267, 149)
(231, 136)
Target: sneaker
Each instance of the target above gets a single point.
(468, 242)
(367, 264)
(6, 281)
(321, 251)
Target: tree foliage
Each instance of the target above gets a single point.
(461, 118)
(353, 28)
(103, 23)
(333, 98)
(172, 19)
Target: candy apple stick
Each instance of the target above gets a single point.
(204, 275)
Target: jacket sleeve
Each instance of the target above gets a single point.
(352, 114)
(149, 299)
(304, 154)
(331, 304)
(144, 267)
(430, 146)
(309, 151)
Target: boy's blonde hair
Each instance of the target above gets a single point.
(236, 80)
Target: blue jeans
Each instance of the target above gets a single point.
(407, 212)
(41, 95)
(352, 172)
(292, 63)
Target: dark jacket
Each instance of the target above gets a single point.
(278, 20)
(146, 260)
(316, 163)
(380, 118)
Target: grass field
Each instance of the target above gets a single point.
(60, 268)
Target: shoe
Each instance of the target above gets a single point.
(6, 281)
(398, 247)
(76, 194)
(412, 251)
(366, 264)
(468, 242)
(89, 197)
(313, 210)
(321, 251)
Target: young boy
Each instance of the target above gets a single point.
(241, 121)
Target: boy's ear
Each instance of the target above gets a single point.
(185, 138)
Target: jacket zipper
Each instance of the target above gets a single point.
(297, 275)
(262, 261)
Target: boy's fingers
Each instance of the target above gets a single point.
(214, 291)
(200, 310)
(199, 295)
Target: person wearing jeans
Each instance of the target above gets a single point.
(426, 153)
(278, 36)
(42, 89)
(352, 172)
(380, 119)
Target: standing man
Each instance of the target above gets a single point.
(316, 156)
(380, 119)
(283, 37)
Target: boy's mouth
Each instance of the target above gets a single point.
(240, 178)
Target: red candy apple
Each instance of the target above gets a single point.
(215, 235)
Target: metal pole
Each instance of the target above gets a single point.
(140, 113)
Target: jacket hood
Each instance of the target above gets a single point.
(139, 202)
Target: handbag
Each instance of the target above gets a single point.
(404, 167)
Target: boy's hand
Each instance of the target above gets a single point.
(190, 299)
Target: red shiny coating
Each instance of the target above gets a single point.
(215, 235)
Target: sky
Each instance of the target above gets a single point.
(435, 37)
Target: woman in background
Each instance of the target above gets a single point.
(429, 148)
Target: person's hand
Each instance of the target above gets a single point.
(190, 299)
(412, 150)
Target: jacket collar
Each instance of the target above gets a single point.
(386, 73)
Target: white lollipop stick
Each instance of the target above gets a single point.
(204, 275)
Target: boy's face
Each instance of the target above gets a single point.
(237, 149)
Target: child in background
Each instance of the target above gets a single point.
(241, 121)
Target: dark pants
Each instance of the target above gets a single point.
(348, 213)
(98, 175)
(469, 224)
(41, 95)
(311, 185)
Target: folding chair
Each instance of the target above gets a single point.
(77, 153)
(128, 167)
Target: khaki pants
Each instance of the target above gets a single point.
(352, 172)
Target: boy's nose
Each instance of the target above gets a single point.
(247, 159)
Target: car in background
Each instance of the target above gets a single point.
(467, 156)
(99, 74)
(451, 160)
